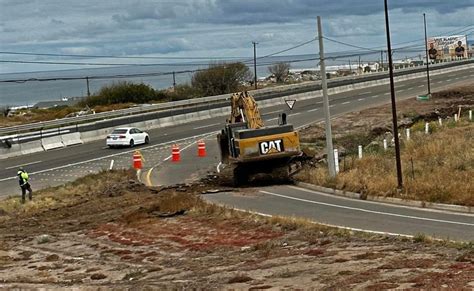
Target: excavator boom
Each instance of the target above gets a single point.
(245, 109)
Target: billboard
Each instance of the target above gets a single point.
(442, 47)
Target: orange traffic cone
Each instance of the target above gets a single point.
(175, 154)
(137, 160)
(201, 148)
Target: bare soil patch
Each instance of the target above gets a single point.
(84, 235)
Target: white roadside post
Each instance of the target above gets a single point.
(360, 152)
(440, 120)
(385, 146)
(336, 160)
(408, 133)
(427, 128)
(470, 114)
(111, 165)
(455, 117)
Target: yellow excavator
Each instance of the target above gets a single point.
(249, 148)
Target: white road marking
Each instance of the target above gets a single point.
(368, 92)
(361, 99)
(347, 102)
(205, 126)
(271, 119)
(388, 93)
(180, 150)
(297, 113)
(401, 90)
(421, 86)
(330, 225)
(380, 203)
(368, 211)
(376, 96)
(449, 80)
(411, 88)
(113, 155)
(332, 105)
(23, 165)
(315, 109)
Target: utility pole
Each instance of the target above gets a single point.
(174, 81)
(322, 65)
(427, 58)
(394, 107)
(255, 63)
(359, 64)
(381, 60)
(88, 90)
(350, 66)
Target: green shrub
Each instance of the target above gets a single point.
(124, 92)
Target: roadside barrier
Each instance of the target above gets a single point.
(14, 150)
(70, 139)
(31, 147)
(201, 148)
(52, 142)
(175, 153)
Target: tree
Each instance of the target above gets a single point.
(280, 71)
(123, 92)
(220, 78)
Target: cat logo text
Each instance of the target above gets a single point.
(271, 147)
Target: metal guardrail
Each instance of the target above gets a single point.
(211, 101)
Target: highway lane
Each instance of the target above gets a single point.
(304, 112)
(349, 213)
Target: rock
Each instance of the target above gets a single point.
(52, 258)
(44, 238)
(98, 276)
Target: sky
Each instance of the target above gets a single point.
(209, 28)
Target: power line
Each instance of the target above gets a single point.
(350, 45)
(102, 64)
(115, 57)
(288, 49)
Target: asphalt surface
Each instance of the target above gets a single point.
(350, 213)
(56, 167)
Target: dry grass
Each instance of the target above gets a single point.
(443, 167)
(38, 115)
(69, 194)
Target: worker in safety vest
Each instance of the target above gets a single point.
(24, 184)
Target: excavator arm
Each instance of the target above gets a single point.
(244, 109)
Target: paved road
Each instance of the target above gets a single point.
(58, 166)
(356, 214)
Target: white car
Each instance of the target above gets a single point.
(127, 136)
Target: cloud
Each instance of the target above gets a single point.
(214, 27)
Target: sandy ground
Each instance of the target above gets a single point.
(122, 235)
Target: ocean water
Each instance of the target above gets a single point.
(31, 92)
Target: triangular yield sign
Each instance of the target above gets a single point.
(290, 103)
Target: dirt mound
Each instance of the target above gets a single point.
(121, 188)
(466, 93)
